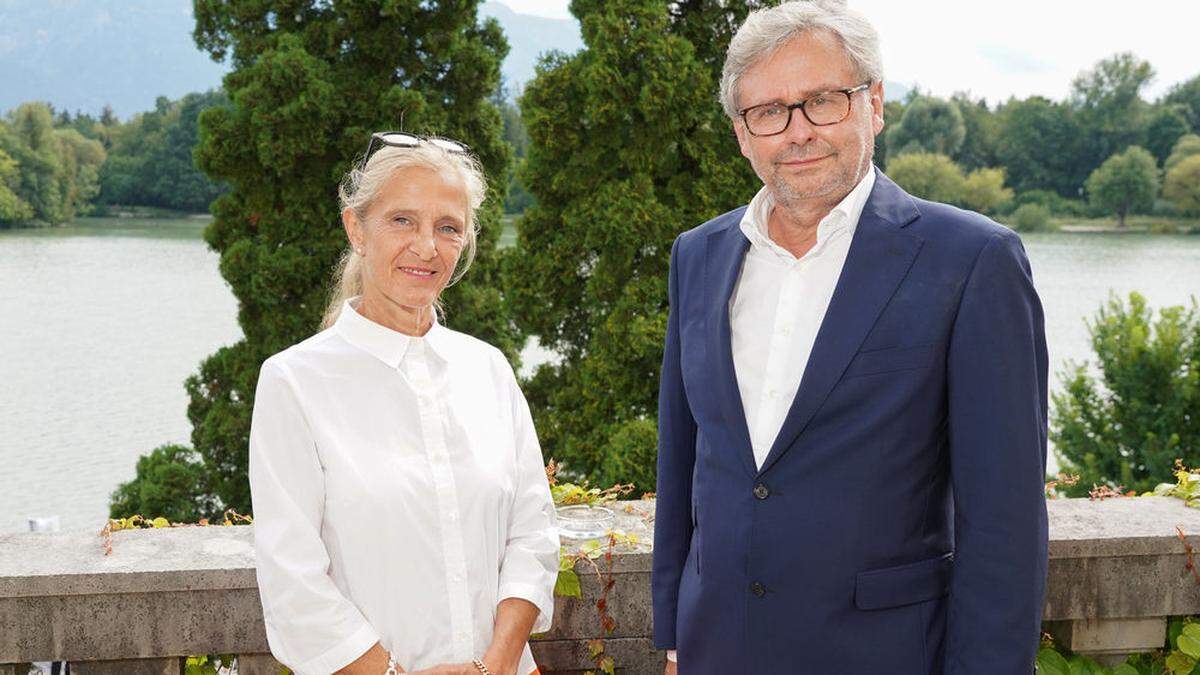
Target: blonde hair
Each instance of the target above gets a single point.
(361, 186)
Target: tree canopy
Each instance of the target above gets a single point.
(46, 174)
(1127, 181)
(628, 148)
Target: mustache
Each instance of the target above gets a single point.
(796, 153)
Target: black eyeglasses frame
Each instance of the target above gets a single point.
(849, 92)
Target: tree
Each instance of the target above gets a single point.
(930, 125)
(1127, 181)
(983, 190)
(309, 83)
(1168, 123)
(37, 154)
(12, 208)
(57, 169)
(151, 159)
(171, 483)
(1186, 146)
(1112, 114)
(980, 125)
(1187, 94)
(80, 162)
(1127, 425)
(1038, 143)
(1182, 185)
(628, 148)
(928, 176)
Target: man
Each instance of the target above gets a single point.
(852, 416)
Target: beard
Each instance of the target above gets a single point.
(828, 186)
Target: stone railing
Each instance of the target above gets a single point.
(1118, 568)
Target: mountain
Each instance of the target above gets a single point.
(529, 37)
(81, 55)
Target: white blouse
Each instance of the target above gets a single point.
(399, 495)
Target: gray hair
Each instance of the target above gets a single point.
(766, 30)
(361, 186)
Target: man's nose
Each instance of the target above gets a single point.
(800, 131)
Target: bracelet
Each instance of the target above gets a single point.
(480, 667)
(392, 667)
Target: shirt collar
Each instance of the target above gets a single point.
(845, 215)
(386, 344)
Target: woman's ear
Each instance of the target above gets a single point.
(353, 227)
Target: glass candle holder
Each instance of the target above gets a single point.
(582, 521)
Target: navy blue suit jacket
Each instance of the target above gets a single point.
(898, 524)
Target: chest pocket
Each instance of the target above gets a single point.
(893, 359)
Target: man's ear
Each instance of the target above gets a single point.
(876, 93)
(743, 136)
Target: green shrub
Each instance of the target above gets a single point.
(171, 483)
(632, 455)
(928, 176)
(1056, 203)
(1126, 423)
(1031, 218)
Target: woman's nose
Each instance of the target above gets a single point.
(425, 246)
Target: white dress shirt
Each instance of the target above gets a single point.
(777, 308)
(399, 495)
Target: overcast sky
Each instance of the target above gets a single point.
(1017, 47)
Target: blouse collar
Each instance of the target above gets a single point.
(389, 345)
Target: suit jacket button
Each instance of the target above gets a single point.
(761, 491)
(758, 589)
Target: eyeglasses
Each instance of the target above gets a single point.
(821, 110)
(400, 139)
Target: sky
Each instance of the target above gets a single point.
(1016, 47)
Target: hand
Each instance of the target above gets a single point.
(671, 669)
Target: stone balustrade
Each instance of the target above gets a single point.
(1118, 569)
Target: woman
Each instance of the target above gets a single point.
(403, 521)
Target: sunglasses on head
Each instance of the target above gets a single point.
(402, 139)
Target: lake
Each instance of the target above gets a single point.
(105, 318)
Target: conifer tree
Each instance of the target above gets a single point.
(310, 81)
(628, 148)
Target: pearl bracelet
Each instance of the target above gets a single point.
(480, 667)
(392, 667)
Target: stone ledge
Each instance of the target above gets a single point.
(173, 592)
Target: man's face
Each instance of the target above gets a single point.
(809, 163)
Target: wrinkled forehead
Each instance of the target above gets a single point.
(423, 188)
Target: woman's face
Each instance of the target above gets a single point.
(410, 238)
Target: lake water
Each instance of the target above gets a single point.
(103, 320)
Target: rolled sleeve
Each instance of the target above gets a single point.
(530, 564)
(311, 626)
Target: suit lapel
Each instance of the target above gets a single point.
(880, 256)
(726, 249)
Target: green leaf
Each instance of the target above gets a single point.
(567, 584)
(1050, 662)
(1125, 669)
(1189, 642)
(1180, 664)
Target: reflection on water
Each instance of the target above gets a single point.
(101, 321)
